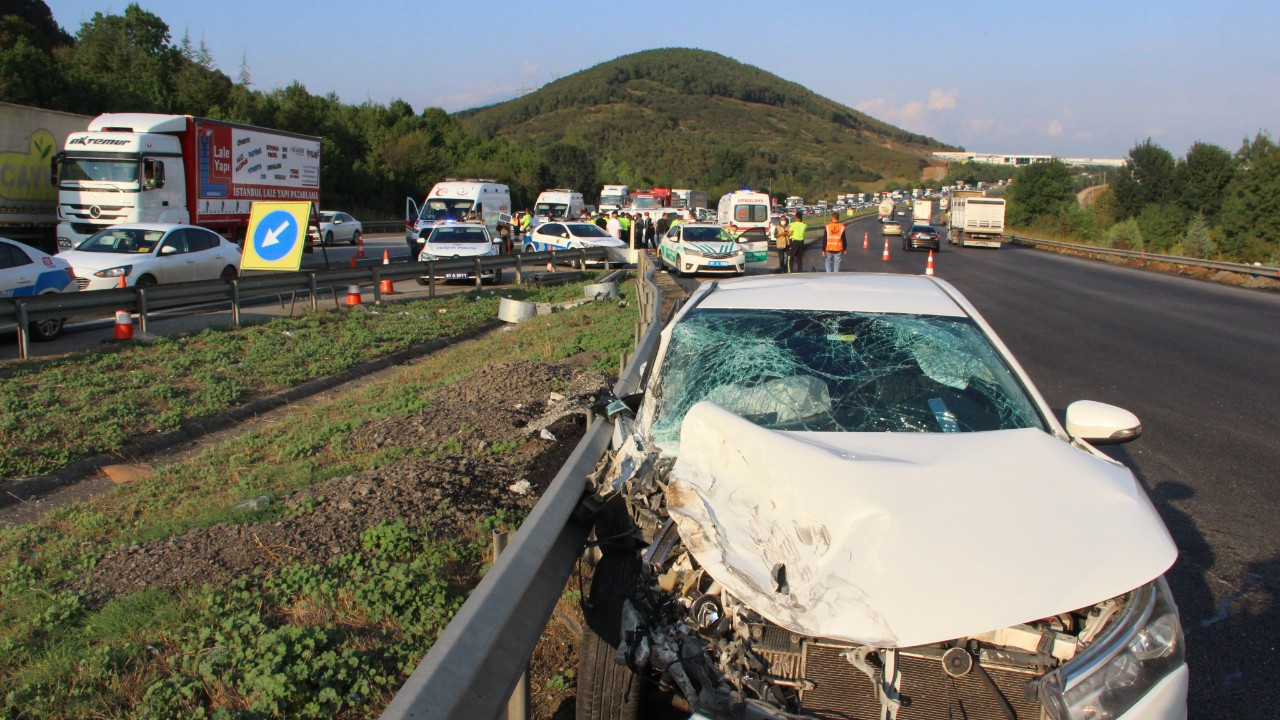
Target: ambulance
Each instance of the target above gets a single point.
(559, 204)
(455, 200)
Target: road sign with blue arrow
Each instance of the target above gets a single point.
(275, 235)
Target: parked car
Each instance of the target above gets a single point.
(692, 248)
(460, 240)
(151, 253)
(573, 235)
(922, 237)
(26, 272)
(892, 227)
(841, 496)
(336, 227)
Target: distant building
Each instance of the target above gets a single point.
(998, 159)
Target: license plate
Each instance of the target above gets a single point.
(455, 276)
(717, 263)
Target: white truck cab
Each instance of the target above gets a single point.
(455, 200)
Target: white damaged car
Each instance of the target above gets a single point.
(839, 496)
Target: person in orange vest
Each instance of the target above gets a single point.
(834, 249)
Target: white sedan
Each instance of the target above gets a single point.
(852, 494)
(150, 253)
(26, 272)
(338, 227)
(573, 235)
(691, 248)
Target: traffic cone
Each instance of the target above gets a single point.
(885, 257)
(353, 295)
(866, 238)
(353, 261)
(386, 286)
(124, 320)
(360, 246)
(928, 268)
(551, 266)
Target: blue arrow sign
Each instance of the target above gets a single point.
(275, 235)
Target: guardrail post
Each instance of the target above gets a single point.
(479, 282)
(582, 258)
(431, 278)
(24, 328)
(518, 704)
(235, 301)
(311, 283)
(519, 268)
(142, 309)
(377, 285)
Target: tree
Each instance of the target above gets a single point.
(1249, 210)
(569, 166)
(1039, 190)
(1149, 176)
(128, 60)
(1203, 179)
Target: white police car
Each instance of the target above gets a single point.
(693, 248)
(573, 235)
(26, 272)
(454, 241)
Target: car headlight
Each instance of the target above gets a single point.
(690, 250)
(122, 270)
(1141, 648)
(425, 256)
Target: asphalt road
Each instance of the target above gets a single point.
(1197, 362)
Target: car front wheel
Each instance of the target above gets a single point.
(356, 237)
(45, 330)
(607, 690)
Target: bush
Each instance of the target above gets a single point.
(1124, 235)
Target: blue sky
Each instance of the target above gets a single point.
(1086, 78)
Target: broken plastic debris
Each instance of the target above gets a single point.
(545, 434)
(286, 333)
(555, 397)
(521, 488)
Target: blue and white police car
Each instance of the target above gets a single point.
(26, 272)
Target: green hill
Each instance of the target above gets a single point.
(681, 117)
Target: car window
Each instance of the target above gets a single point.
(750, 213)
(198, 240)
(706, 234)
(587, 230)
(458, 234)
(122, 240)
(326, 217)
(553, 229)
(177, 240)
(834, 371)
(12, 257)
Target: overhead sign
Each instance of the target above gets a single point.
(277, 231)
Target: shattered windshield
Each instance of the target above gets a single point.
(837, 371)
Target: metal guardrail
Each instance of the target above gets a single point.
(144, 300)
(382, 226)
(1260, 270)
(476, 662)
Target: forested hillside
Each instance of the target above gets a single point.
(681, 117)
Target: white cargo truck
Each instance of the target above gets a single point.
(977, 221)
(922, 212)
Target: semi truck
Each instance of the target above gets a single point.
(886, 209)
(922, 211)
(651, 199)
(795, 202)
(615, 197)
(976, 221)
(689, 199)
(29, 139)
(146, 167)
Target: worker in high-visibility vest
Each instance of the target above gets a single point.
(795, 248)
(834, 249)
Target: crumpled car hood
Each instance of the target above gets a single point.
(905, 539)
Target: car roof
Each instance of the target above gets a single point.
(854, 292)
(162, 227)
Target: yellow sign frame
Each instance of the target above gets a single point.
(252, 259)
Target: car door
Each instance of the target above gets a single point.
(756, 243)
(17, 272)
(210, 255)
(667, 246)
(173, 261)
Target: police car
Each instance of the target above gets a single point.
(26, 272)
(453, 241)
(573, 235)
(694, 248)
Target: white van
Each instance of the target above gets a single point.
(559, 204)
(454, 200)
(744, 209)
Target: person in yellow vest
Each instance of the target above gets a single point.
(781, 236)
(795, 247)
(834, 249)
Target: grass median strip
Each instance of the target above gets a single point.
(56, 411)
(164, 600)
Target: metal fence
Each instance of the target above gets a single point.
(145, 300)
(1259, 270)
(477, 661)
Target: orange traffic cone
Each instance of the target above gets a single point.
(124, 320)
(928, 268)
(353, 261)
(551, 266)
(360, 246)
(885, 257)
(386, 286)
(866, 238)
(353, 295)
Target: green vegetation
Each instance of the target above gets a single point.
(56, 411)
(313, 639)
(1210, 204)
(671, 117)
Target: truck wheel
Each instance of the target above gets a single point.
(607, 690)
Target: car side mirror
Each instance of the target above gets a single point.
(1101, 424)
(168, 250)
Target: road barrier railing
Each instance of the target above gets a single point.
(22, 311)
(478, 659)
(1260, 270)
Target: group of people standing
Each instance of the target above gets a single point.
(789, 242)
(640, 230)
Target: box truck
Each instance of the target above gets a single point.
(976, 221)
(29, 140)
(145, 167)
(922, 212)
